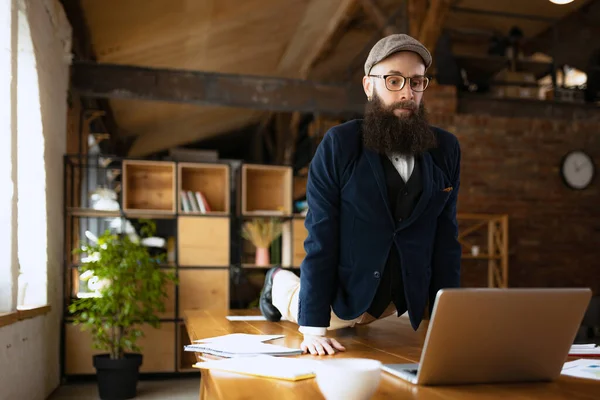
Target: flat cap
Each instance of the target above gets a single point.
(392, 44)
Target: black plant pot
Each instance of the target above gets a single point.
(117, 379)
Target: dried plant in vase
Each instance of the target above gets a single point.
(261, 232)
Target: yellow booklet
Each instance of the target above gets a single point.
(290, 369)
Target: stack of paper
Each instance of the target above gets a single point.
(581, 368)
(239, 337)
(246, 318)
(241, 345)
(585, 350)
(291, 369)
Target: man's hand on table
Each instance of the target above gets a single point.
(320, 345)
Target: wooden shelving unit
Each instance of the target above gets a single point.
(489, 232)
(201, 245)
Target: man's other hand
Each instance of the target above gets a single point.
(320, 345)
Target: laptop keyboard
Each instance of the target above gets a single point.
(412, 371)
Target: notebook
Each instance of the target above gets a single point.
(241, 349)
(238, 337)
(241, 345)
(290, 369)
(585, 350)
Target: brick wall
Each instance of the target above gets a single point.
(511, 165)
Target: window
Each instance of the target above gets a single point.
(23, 225)
(8, 69)
(31, 178)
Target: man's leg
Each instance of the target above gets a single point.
(285, 295)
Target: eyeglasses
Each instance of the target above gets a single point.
(396, 82)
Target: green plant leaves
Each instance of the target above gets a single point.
(131, 290)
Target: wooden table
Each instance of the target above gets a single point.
(390, 340)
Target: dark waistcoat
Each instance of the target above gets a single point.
(402, 199)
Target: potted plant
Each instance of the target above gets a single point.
(130, 289)
(262, 232)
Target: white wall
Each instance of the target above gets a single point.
(29, 359)
(30, 349)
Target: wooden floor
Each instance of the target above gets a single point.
(172, 389)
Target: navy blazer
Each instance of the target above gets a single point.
(351, 229)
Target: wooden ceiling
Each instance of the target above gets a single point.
(308, 39)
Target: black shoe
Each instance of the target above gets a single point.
(268, 310)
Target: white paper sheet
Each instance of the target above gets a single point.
(228, 348)
(246, 318)
(239, 337)
(582, 368)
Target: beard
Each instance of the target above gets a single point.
(385, 133)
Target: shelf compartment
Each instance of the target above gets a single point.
(206, 289)
(211, 180)
(266, 190)
(203, 241)
(149, 187)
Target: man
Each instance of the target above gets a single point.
(382, 194)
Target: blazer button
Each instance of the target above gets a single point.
(376, 275)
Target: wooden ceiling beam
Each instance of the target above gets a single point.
(433, 22)
(417, 9)
(309, 43)
(378, 17)
(321, 22)
(214, 89)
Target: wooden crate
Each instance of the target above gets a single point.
(185, 359)
(158, 349)
(212, 180)
(203, 241)
(266, 189)
(149, 186)
(206, 289)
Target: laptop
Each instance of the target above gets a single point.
(497, 335)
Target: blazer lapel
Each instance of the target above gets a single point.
(377, 169)
(427, 180)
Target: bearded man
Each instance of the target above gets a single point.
(381, 221)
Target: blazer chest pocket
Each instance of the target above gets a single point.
(439, 200)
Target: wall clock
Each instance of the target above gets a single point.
(577, 169)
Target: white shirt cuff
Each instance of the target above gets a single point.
(311, 330)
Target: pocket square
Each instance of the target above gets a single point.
(448, 189)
